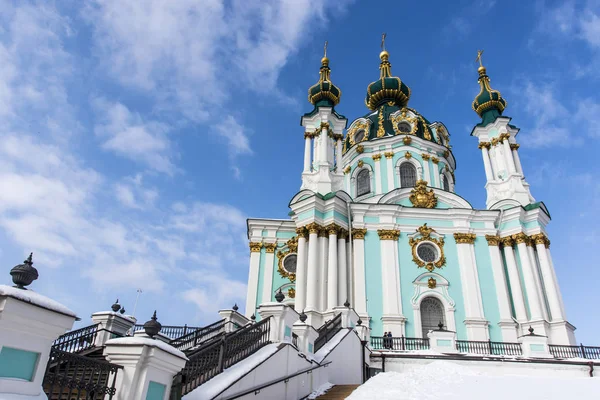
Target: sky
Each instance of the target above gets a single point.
(136, 137)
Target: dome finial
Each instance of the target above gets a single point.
(488, 99)
(325, 60)
(481, 68)
(385, 67)
(324, 92)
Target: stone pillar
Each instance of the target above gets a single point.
(360, 294)
(338, 154)
(301, 273)
(29, 323)
(426, 174)
(535, 304)
(376, 159)
(514, 147)
(389, 155)
(342, 268)
(436, 172)
(307, 150)
(148, 367)
(442, 341)
(332, 267)
(306, 336)
(507, 325)
(349, 316)
(392, 317)
(283, 318)
(510, 162)
(552, 290)
(514, 279)
(233, 320)
(252, 294)
(537, 277)
(267, 294)
(476, 324)
(111, 324)
(535, 346)
(323, 267)
(312, 277)
(485, 146)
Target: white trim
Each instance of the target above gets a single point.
(353, 191)
(440, 292)
(411, 160)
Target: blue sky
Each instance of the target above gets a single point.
(137, 137)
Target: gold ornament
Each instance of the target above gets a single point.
(481, 145)
(507, 241)
(407, 155)
(520, 238)
(357, 127)
(540, 238)
(514, 146)
(421, 197)
(388, 234)
(313, 228)
(435, 160)
(465, 238)
(492, 240)
(360, 148)
(255, 247)
(376, 157)
(380, 129)
(403, 117)
(291, 293)
(291, 247)
(425, 157)
(323, 232)
(407, 140)
(359, 233)
(425, 233)
(347, 169)
(446, 154)
(388, 154)
(360, 163)
(332, 229)
(495, 141)
(302, 232)
(503, 136)
(431, 283)
(270, 247)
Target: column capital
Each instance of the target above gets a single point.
(323, 232)
(302, 232)
(376, 157)
(343, 234)
(388, 154)
(520, 238)
(332, 229)
(407, 155)
(388, 234)
(493, 240)
(465, 238)
(540, 238)
(337, 136)
(435, 160)
(507, 241)
(495, 141)
(359, 233)
(481, 145)
(514, 146)
(313, 227)
(425, 156)
(270, 247)
(255, 247)
(504, 136)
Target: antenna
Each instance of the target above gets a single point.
(139, 291)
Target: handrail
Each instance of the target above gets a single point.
(82, 340)
(257, 389)
(196, 337)
(327, 331)
(574, 351)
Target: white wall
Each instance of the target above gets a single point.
(346, 360)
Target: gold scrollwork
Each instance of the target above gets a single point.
(290, 248)
(313, 228)
(388, 234)
(332, 229)
(425, 157)
(425, 233)
(431, 283)
(435, 160)
(507, 241)
(407, 140)
(421, 197)
(360, 148)
(302, 232)
(520, 238)
(481, 145)
(514, 146)
(376, 157)
(359, 233)
(495, 141)
(291, 293)
(388, 154)
(465, 238)
(255, 247)
(403, 117)
(503, 136)
(540, 238)
(493, 240)
(270, 247)
(407, 155)
(358, 126)
(380, 129)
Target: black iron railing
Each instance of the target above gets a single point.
(77, 340)
(328, 331)
(211, 359)
(198, 336)
(489, 347)
(295, 340)
(71, 376)
(171, 331)
(399, 343)
(581, 351)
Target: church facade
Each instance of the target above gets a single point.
(377, 225)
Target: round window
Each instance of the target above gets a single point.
(427, 252)
(404, 127)
(289, 263)
(359, 136)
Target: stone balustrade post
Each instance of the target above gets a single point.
(535, 346)
(442, 341)
(306, 336)
(283, 318)
(111, 325)
(349, 316)
(233, 319)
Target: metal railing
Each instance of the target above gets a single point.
(71, 376)
(581, 351)
(489, 347)
(399, 343)
(171, 331)
(211, 359)
(328, 331)
(295, 340)
(198, 336)
(77, 340)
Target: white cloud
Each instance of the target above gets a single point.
(132, 193)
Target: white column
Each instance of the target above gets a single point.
(514, 279)
(342, 269)
(377, 163)
(389, 265)
(267, 294)
(360, 295)
(300, 300)
(350, 270)
(551, 286)
(252, 294)
(436, 174)
(489, 174)
(537, 278)
(316, 149)
(507, 326)
(312, 277)
(535, 305)
(390, 170)
(323, 264)
(332, 269)
(426, 173)
(499, 158)
(347, 180)
(474, 319)
(508, 156)
(516, 157)
(324, 137)
(307, 140)
(338, 155)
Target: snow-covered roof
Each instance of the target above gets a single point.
(29, 296)
(138, 340)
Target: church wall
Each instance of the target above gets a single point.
(487, 284)
(373, 279)
(510, 290)
(518, 257)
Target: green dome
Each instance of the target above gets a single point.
(388, 88)
(324, 93)
(488, 99)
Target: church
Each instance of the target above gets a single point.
(378, 225)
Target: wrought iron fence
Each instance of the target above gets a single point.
(328, 331)
(581, 351)
(295, 340)
(77, 340)
(172, 331)
(211, 359)
(489, 347)
(198, 336)
(399, 343)
(70, 376)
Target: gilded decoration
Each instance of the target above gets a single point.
(343, 234)
(540, 238)
(302, 232)
(359, 233)
(465, 238)
(380, 129)
(313, 228)
(360, 148)
(446, 154)
(507, 241)
(425, 233)
(520, 238)
(388, 154)
(403, 117)
(357, 127)
(388, 234)
(290, 248)
(291, 293)
(503, 136)
(360, 163)
(255, 247)
(425, 157)
(332, 229)
(435, 160)
(431, 283)
(514, 146)
(376, 157)
(493, 240)
(270, 247)
(426, 130)
(495, 141)
(407, 140)
(407, 155)
(481, 145)
(347, 169)
(323, 232)
(421, 197)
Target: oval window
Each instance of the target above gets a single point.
(359, 136)
(290, 263)
(427, 252)
(404, 127)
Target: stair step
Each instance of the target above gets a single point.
(338, 392)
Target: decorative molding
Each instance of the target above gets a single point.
(425, 233)
(342, 234)
(325, 125)
(435, 160)
(357, 127)
(504, 136)
(421, 197)
(291, 247)
(507, 241)
(360, 148)
(270, 247)
(380, 129)
(407, 140)
(495, 141)
(388, 154)
(376, 157)
(540, 238)
(311, 135)
(255, 247)
(487, 145)
(332, 229)
(337, 136)
(425, 157)
(360, 163)
(302, 232)
(520, 238)
(431, 283)
(465, 238)
(407, 155)
(359, 233)
(313, 227)
(323, 232)
(493, 240)
(514, 146)
(347, 169)
(388, 234)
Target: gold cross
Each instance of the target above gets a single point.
(325, 49)
(383, 35)
(479, 53)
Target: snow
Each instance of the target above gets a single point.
(448, 381)
(329, 346)
(137, 340)
(222, 381)
(13, 396)
(320, 391)
(29, 296)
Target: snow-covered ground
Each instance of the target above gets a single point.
(443, 380)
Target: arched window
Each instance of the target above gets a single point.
(432, 313)
(408, 175)
(446, 183)
(363, 182)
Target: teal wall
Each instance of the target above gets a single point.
(510, 295)
(384, 175)
(520, 268)
(374, 281)
(487, 284)
(156, 391)
(17, 363)
(314, 213)
(419, 222)
(285, 235)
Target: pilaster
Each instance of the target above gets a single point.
(252, 293)
(301, 273)
(267, 294)
(392, 318)
(535, 305)
(514, 279)
(360, 295)
(312, 276)
(332, 268)
(342, 268)
(323, 267)
(376, 161)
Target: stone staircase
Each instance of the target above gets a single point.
(338, 392)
